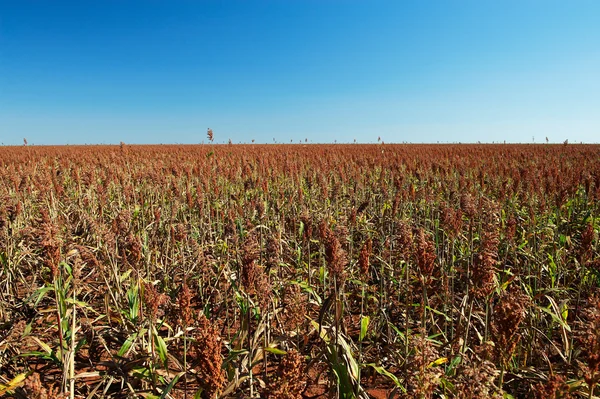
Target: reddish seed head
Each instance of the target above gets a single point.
(334, 254)
(424, 253)
(365, 253)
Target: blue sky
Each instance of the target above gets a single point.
(323, 70)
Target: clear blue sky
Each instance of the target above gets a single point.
(418, 71)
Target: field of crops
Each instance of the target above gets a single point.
(300, 271)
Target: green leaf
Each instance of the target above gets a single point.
(143, 373)
(275, 351)
(80, 344)
(81, 304)
(125, 275)
(43, 345)
(233, 355)
(323, 333)
(304, 285)
(347, 354)
(437, 362)
(381, 371)
(438, 313)
(446, 384)
(14, 383)
(67, 268)
(133, 301)
(161, 348)
(27, 330)
(386, 206)
(556, 318)
(453, 363)
(40, 293)
(42, 355)
(364, 325)
(171, 385)
(397, 331)
(564, 310)
(126, 345)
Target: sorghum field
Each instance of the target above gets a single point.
(300, 271)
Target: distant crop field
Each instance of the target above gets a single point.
(300, 271)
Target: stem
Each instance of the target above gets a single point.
(72, 354)
(487, 318)
(424, 315)
(464, 347)
(360, 344)
(57, 290)
(452, 291)
(250, 376)
(335, 315)
(185, 363)
(407, 308)
(266, 344)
